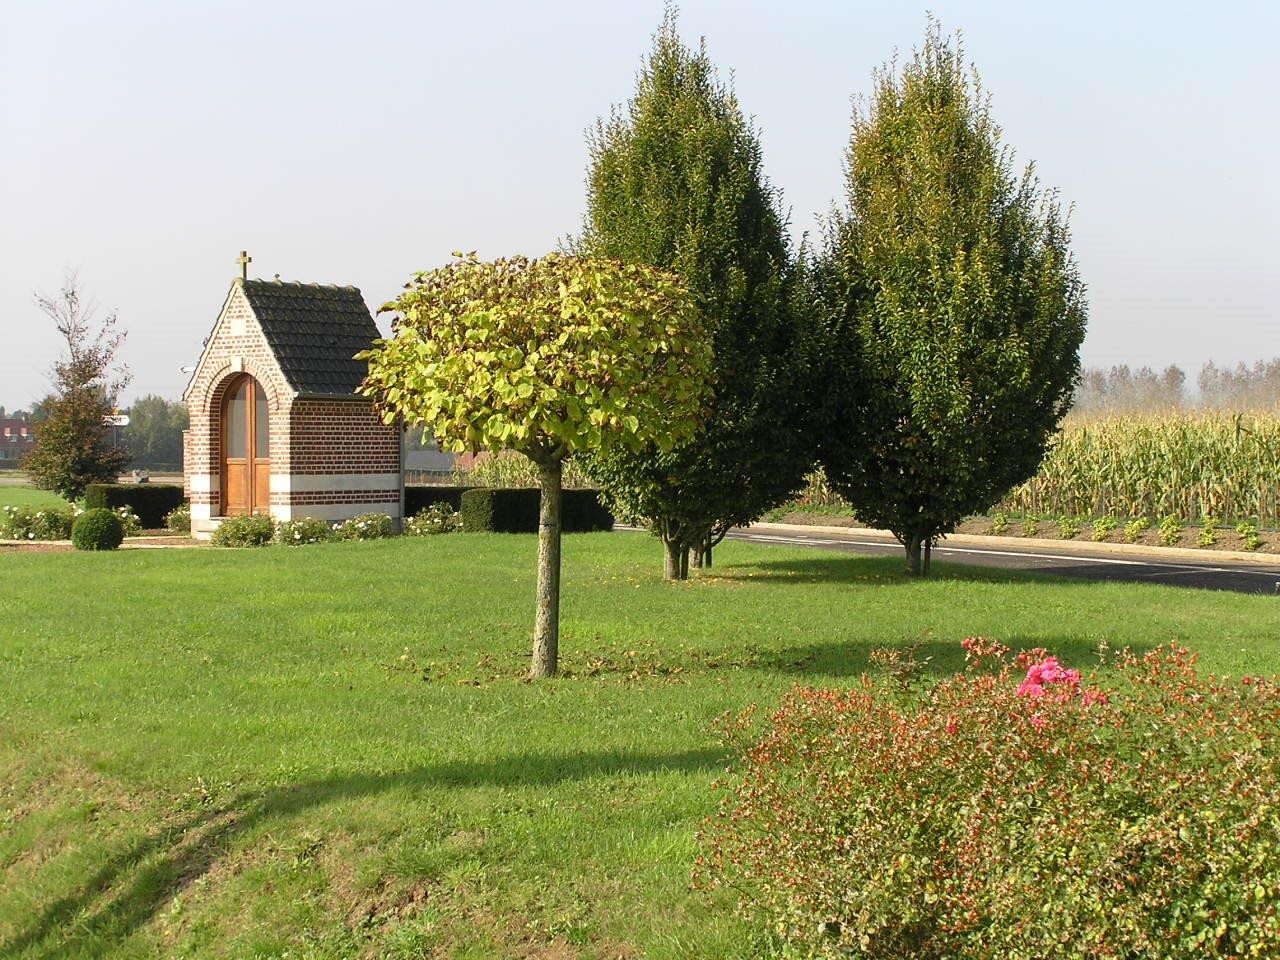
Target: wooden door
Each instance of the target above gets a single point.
(246, 459)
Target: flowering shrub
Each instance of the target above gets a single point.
(23, 523)
(254, 530)
(129, 521)
(1014, 810)
(295, 533)
(367, 526)
(179, 518)
(437, 518)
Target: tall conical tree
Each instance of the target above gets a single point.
(676, 182)
(958, 309)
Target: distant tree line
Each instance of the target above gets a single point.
(1120, 389)
(153, 438)
(154, 434)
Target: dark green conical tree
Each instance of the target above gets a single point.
(676, 182)
(956, 308)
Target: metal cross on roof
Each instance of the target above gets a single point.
(244, 260)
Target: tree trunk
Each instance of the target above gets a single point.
(928, 555)
(706, 553)
(684, 561)
(546, 629)
(671, 566)
(697, 557)
(913, 544)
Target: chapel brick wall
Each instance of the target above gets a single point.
(311, 439)
(236, 340)
(330, 437)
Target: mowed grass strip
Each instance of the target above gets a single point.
(24, 496)
(330, 752)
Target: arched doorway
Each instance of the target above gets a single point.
(246, 457)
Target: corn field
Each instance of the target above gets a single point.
(1189, 466)
(1186, 465)
(514, 470)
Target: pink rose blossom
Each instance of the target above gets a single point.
(1048, 672)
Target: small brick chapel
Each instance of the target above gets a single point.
(276, 424)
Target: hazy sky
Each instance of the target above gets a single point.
(145, 144)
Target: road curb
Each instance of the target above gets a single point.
(1029, 544)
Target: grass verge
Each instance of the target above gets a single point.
(23, 496)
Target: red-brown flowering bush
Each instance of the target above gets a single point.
(1014, 810)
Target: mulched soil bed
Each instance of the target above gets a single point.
(148, 539)
(35, 546)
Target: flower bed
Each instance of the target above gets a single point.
(1017, 809)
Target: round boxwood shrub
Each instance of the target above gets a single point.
(97, 529)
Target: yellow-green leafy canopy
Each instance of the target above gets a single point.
(548, 356)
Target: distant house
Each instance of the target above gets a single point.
(276, 424)
(17, 438)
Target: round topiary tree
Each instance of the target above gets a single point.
(550, 358)
(97, 529)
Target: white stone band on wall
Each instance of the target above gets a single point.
(327, 482)
(333, 511)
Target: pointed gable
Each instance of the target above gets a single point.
(314, 332)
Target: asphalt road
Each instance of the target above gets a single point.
(1237, 576)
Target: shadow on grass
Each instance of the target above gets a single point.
(853, 568)
(942, 658)
(131, 887)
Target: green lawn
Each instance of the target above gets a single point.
(23, 496)
(329, 752)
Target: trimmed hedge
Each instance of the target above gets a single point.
(515, 510)
(152, 502)
(417, 499)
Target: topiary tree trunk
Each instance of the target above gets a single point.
(546, 629)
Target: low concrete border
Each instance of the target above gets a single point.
(1040, 544)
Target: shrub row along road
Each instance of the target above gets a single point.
(1211, 574)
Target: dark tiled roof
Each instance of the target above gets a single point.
(314, 331)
